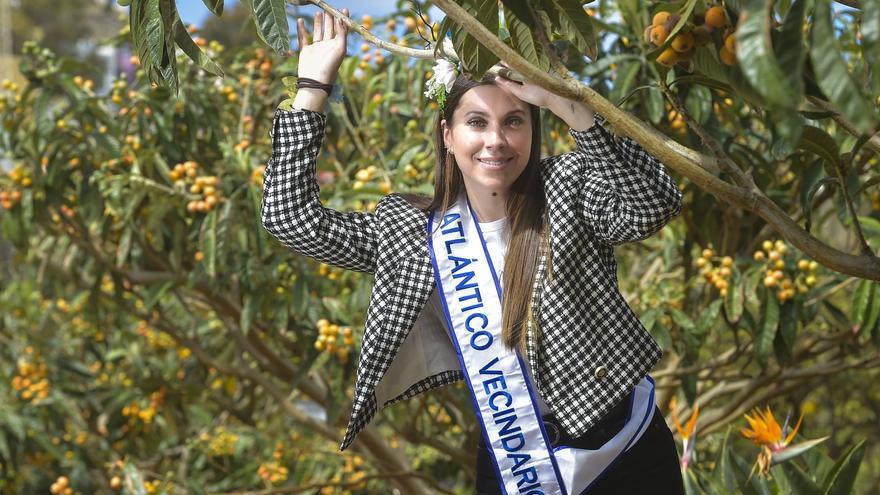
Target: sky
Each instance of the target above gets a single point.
(195, 12)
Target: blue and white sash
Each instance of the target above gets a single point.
(525, 462)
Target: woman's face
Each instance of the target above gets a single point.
(491, 138)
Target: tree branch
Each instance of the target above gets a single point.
(855, 4)
(873, 142)
(365, 33)
(724, 161)
(754, 200)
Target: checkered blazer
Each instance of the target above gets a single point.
(592, 349)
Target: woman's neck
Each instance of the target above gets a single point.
(487, 207)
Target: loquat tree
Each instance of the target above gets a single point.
(163, 343)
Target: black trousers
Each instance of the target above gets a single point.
(650, 466)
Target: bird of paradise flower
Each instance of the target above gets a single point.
(774, 440)
(687, 433)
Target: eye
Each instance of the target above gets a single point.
(476, 122)
(515, 121)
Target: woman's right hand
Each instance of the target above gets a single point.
(320, 59)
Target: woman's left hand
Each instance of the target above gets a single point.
(577, 115)
(527, 92)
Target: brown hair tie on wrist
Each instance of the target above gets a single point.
(304, 82)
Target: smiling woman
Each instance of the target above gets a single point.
(490, 138)
(486, 281)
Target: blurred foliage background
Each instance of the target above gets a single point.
(155, 339)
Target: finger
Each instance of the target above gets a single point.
(341, 27)
(508, 84)
(329, 26)
(301, 33)
(512, 87)
(318, 30)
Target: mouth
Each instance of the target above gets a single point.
(495, 162)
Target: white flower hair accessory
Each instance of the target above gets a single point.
(440, 83)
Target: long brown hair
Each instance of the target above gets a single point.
(526, 214)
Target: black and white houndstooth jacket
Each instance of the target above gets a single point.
(592, 348)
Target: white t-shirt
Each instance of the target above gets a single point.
(496, 235)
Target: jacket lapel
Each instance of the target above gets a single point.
(410, 287)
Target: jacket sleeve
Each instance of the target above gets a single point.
(292, 210)
(625, 194)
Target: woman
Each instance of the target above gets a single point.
(569, 337)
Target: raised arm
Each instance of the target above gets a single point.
(625, 193)
(292, 209)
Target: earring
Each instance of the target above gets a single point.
(449, 151)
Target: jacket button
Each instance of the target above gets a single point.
(601, 372)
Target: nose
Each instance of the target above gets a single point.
(495, 137)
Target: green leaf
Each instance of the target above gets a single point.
(701, 79)
(124, 247)
(796, 450)
(861, 305)
(870, 226)
(147, 33)
(843, 475)
(682, 320)
(653, 102)
(875, 334)
(834, 313)
(209, 244)
(249, 311)
(791, 52)
(631, 11)
(604, 64)
(799, 480)
(475, 58)
(748, 483)
(215, 6)
(165, 74)
(649, 318)
(870, 28)
(819, 142)
(767, 327)
(154, 293)
(270, 18)
(733, 303)
(724, 463)
(785, 337)
(661, 335)
(446, 25)
(691, 485)
(835, 81)
(222, 228)
(4, 446)
(706, 63)
(521, 11)
(193, 51)
(577, 26)
(699, 103)
(872, 314)
(757, 62)
(523, 40)
(689, 384)
(42, 115)
(809, 176)
(623, 80)
(807, 205)
(708, 317)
